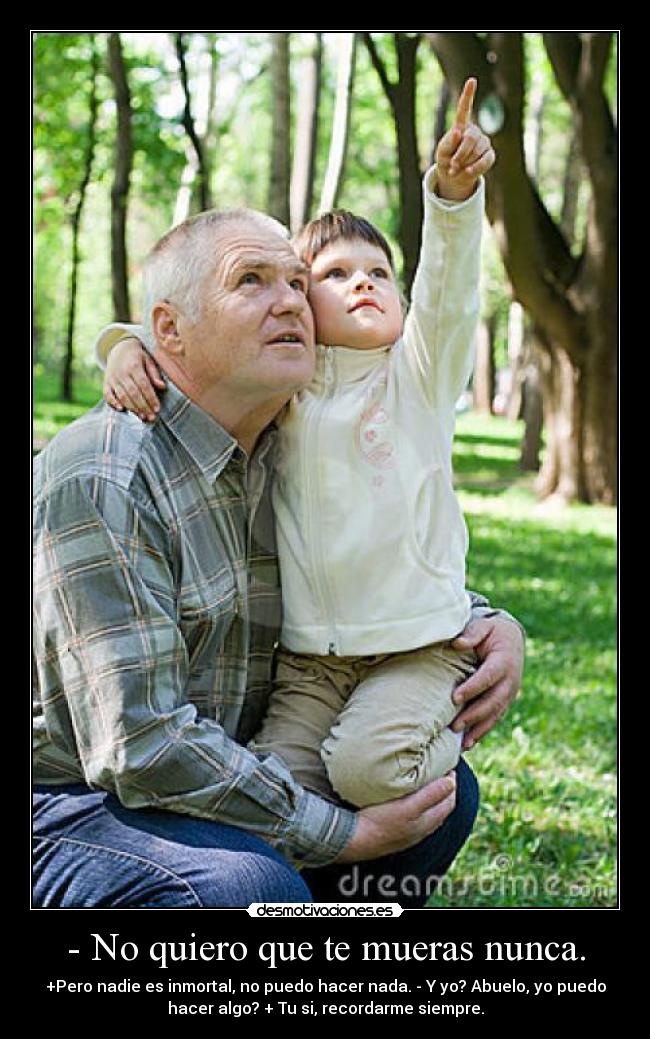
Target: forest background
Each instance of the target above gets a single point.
(134, 131)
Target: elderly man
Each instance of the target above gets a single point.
(157, 612)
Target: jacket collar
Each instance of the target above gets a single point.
(349, 364)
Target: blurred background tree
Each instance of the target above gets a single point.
(570, 295)
(162, 125)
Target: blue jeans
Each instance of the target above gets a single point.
(90, 851)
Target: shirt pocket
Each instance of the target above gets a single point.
(437, 531)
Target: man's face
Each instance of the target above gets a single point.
(255, 335)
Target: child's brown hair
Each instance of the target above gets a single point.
(333, 226)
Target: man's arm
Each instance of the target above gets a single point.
(114, 667)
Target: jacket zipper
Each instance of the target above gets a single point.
(314, 538)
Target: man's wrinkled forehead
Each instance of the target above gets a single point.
(249, 244)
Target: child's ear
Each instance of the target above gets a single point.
(164, 322)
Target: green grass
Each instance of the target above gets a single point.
(546, 830)
(50, 413)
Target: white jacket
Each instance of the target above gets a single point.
(371, 538)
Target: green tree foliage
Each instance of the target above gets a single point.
(61, 97)
(61, 62)
(239, 153)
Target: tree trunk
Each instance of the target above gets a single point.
(525, 401)
(66, 382)
(280, 173)
(572, 178)
(532, 412)
(441, 120)
(201, 180)
(120, 189)
(334, 171)
(304, 157)
(516, 359)
(484, 371)
(561, 476)
(572, 300)
(533, 132)
(528, 378)
(533, 407)
(561, 459)
(580, 414)
(209, 136)
(410, 173)
(600, 408)
(402, 97)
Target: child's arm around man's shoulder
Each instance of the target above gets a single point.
(440, 328)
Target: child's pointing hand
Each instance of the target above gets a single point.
(464, 153)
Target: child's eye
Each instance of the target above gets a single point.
(335, 272)
(379, 272)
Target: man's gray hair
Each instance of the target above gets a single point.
(178, 265)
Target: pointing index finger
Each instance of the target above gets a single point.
(465, 102)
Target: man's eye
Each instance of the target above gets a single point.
(298, 284)
(250, 278)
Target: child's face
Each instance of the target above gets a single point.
(354, 297)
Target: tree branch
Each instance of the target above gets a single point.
(579, 65)
(564, 53)
(597, 125)
(406, 47)
(536, 255)
(92, 123)
(389, 88)
(188, 119)
(596, 47)
(462, 54)
(122, 175)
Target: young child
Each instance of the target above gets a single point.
(371, 539)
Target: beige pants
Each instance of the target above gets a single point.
(365, 729)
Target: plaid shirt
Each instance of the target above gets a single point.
(157, 610)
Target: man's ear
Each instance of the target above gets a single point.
(164, 322)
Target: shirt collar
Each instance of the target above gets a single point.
(208, 443)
